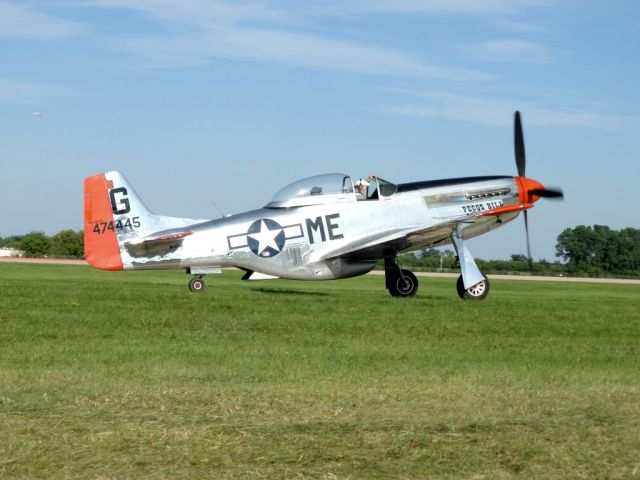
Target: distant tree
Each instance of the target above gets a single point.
(518, 257)
(579, 247)
(67, 244)
(600, 249)
(630, 240)
(35, 244)
(12, 241)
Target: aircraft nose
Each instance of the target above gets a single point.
(529, 189)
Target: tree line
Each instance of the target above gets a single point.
(586, 250)
(64, 244)
(598, 249)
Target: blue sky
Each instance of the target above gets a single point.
(213, 101)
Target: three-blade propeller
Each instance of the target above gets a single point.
(521, 164)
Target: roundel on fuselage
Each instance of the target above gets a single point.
(265, 237)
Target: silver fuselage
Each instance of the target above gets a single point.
(341, 236)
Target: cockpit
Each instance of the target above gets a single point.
(329, 188)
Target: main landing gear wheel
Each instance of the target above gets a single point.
(196, 284)
(403, 285)
(477, 292)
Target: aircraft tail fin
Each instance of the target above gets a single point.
(114, 215)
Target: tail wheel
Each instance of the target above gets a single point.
(405, 285)
(477, 292)
(196, 284)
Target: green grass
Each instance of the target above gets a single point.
(128, 375)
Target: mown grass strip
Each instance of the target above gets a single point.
(116, 375)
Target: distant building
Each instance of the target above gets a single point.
(10, 252)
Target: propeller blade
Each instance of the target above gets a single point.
(526, 228)
(548, 193)
(518, 142)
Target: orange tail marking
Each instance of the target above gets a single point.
(100, 242)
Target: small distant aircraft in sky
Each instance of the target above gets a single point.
(318, 228)
(38, 114)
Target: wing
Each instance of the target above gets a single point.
(388, 243)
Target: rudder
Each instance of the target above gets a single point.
(101, 249)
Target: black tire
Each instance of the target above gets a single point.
(196, 285)
(404, 286)
(477, 292)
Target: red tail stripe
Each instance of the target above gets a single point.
(100, 244)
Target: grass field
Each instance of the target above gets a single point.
(128, 375)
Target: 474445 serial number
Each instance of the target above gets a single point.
(119, 225)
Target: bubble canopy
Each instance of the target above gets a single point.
(320, 189)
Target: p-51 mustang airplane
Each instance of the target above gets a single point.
(318, 228)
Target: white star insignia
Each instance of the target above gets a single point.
(266, 238)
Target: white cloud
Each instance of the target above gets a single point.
(197, 12)
(288, 48)
(519, 26)
(23, 22)
(492, 112)
(14, 91)
(467, 7)
(201, 11)
(512, 50)
(199, 31)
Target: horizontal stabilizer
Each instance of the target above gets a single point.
(161, 238)
(159, 244)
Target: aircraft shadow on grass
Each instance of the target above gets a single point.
(288, 291)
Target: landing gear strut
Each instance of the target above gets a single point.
(472, 283)
(196, 284)
(399, 282)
